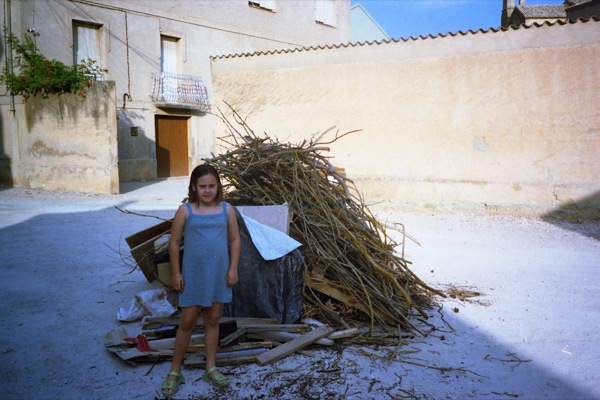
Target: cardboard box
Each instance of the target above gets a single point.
(142, 248)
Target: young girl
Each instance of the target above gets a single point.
(208, 271)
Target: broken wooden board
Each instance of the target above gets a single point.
(293, 345)
(232, 338)
(242, 346)
(226, 359)
(131, 348)
(157, 322)
(255, 328)
(286, 337)
(169, 343)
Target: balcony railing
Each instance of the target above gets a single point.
(179, 91)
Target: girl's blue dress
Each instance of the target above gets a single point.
(205, 260)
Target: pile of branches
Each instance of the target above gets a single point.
(352, 269)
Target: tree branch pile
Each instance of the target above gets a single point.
(352, 270)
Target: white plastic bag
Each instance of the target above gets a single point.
(150, 302)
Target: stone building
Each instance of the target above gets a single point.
(158, 54)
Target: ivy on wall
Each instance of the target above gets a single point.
(38, 75)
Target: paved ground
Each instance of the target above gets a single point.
(532, 334)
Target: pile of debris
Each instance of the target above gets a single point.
(241, 340)
(350, 272)
(352, 269)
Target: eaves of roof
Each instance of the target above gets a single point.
(569, 3)
(542, 11)
(438, 36)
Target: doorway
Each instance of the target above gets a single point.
(171, 146)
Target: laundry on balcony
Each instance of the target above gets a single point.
(179, 91)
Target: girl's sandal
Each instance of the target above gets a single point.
(171, 386)
(215, 378)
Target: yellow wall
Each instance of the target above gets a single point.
(503, 121)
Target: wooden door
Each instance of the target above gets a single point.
(171, 146)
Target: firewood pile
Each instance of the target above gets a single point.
(353, 271)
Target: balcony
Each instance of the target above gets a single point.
(179, 91)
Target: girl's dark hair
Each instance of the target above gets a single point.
(201, 170)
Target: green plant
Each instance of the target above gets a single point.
(38, 75)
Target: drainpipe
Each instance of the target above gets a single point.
(14, 128)
(9, 55)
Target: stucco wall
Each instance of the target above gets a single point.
(498, 121)
(67, 142)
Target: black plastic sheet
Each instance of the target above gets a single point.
(267, 289)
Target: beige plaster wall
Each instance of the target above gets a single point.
(68, 142)
(503, 122)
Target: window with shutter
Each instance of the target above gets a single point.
(325, 10)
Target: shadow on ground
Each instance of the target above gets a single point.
(64, 277)
(573, 216)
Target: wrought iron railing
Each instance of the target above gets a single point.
(180, 90)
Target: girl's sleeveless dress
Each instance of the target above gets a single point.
(205, 260)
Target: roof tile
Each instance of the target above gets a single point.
(409, 39)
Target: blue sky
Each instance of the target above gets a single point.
(404, 18)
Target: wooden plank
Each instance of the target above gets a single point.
(133, 354)
(274, 328)
(242, 354)
(293, 345)
(242, 346)
(303, 352)
(156, 322)
(169, 343)
(235, 335)
(245, 322)
(196, 339)
(287, 336)
(230, 358)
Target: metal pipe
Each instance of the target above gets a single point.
(9, 55)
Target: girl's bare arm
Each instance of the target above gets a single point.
(174, 245)
(235, 246)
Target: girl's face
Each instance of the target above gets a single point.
(206, 188)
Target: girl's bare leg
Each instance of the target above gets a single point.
(187, 324)
(211, 317)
